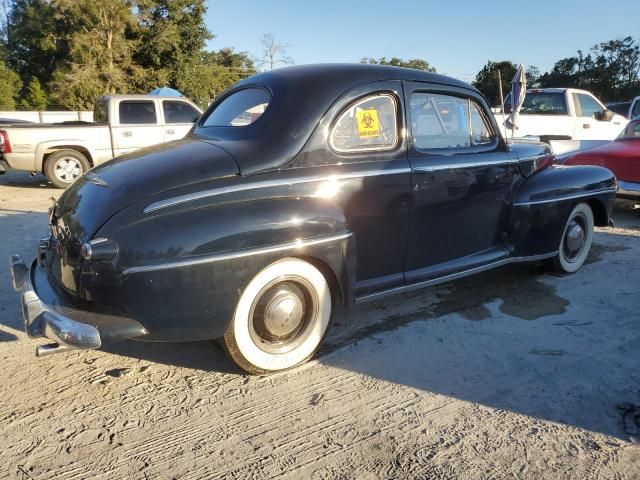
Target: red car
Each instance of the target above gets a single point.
(622, 157)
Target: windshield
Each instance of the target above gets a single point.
(632, 130)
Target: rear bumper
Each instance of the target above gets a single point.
(628, 190)
(47, 315)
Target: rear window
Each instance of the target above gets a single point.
(100, 114)
(239, 109)
(541, 103)
(137, 112)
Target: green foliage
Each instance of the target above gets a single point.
(34, 97)
(36, 41)
(610, 70)
(81, 49)
(487, 80)
(10, 85)
(398, 62)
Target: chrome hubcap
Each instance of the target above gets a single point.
(67, 169)
(575, 238)
(282, 314)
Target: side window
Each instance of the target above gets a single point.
(179, 112)
(636, 109)
(588, 106)
(481, 131)
(446, 122)
(135, 112)
(371, 124)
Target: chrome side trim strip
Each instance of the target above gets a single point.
(218, 257)
(450, 277)
(569, 197)
(453, 166)
(214, 192)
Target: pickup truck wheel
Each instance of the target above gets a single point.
(576, 241)
(63, 167)
(281, 318)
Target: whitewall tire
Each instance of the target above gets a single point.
(576, 241)
(281, 317)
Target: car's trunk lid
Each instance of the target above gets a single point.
(108, 188)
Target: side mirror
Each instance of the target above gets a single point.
(605, 116)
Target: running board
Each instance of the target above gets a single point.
(450, 277)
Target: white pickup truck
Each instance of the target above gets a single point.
(563, 114)
(122, 123)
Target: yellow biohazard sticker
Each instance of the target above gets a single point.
(368, 124)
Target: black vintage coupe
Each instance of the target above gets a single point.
(297, 189)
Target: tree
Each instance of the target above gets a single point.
(533, 76)
(398, 62)
(10, 85)
(34, 97)
(274, 52)
(487, 79)
(100, 56)
(610, 70)
(36, 39)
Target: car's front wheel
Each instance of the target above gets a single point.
(576, 241)
(281, 317)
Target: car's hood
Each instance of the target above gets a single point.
(120, 182)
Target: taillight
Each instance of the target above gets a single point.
(5, 146)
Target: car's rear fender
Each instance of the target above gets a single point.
(195, 261)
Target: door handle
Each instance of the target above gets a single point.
(127, 134)
(171, 131)
(586, 125)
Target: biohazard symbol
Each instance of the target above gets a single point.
(368, 124)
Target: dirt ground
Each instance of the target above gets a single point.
(509, 374)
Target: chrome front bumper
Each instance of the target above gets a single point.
(55, 323)
(628, 189)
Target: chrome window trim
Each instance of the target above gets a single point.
(214, 192)
(568, 197)
(366, 149)
(218, 257)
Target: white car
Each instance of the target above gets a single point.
(563, 114)
(122, 124)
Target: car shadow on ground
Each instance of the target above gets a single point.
(26, 180)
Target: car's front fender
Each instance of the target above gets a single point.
(544, 201)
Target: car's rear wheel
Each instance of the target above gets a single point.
(576, 241)
(63, 167)
(281, 317)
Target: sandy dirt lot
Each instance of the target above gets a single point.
(510, 374)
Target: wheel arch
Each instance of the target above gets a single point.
(45, 150)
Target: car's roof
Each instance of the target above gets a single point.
(300, 97)
(355, 73)
(123, 96)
